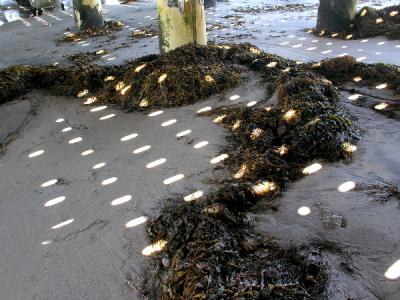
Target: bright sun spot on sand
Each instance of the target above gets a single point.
(107, 117)
(173, 179)
(155, 113)
(66, 129)
(87, 152)
(36, 153)
(354, 97)
(54, 201)
(99, 165)
(200, 145)
(251, 103)
(129, 137)
(394, 271)
(381, 86)
(156, 163)
(183, 133)
(193, 196)
(59, 120)
(381, 106)
(49, 183)
(62, 224)
(141, 149)
(169, 122)
(136, 222)
(346, 186)
(46, 242)
(304, 211)
(154, 248)
(312, 169)
(263, 188)
(219, 158)
(109, 181)
(234, 97)
(204, 109)
(98, 108)
(75, 140)
(121, 200)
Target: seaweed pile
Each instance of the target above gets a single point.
(109, 27)
(86, 57)
(273, 8)
(145, 31)
(370, 22)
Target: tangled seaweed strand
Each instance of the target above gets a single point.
(370, 22)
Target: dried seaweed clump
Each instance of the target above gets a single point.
(109, 27)
(87, 57)
(145, 31)
(213, 253)
(370, 22)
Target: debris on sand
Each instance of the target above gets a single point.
(87, 57)
(370, 22)
(109, 27)
(145, 32)
(273, 8)
(382, 192)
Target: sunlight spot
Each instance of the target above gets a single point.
(49, 183)
(90, 100)
(349, 147)
(304, 211)
(167, 123)
(183, 133)
(381, 86)
(136, 222)
(311, 48)
(380, 43)
(357, 79)
(99, 165)
(107, 117)
(193, 196)
(264, 188)
(121, 200)
(242, 171)
(141, 149)
(87, 152)
(312, 169)
(234, 97)
(154, 248)
(109, 181)
(343, 54)
(36, 153)
(344, 47)
(329, 44)
(139, 68)
(219, 158)
(346, 186)
(66, 129)
(251, 103)
(381, 106)
(282, 150)
(156, 163)
(109, 78)
(54, 201)
(201, 145)
(326, 51)
(59, 120)
(354, 97)
(128, 137)
(348, 37)
(98, 108)
(125, 89)
(155, 113)
(289, 115)
(62, 224)
(379, 20)
(46, 242)
(364, 41)
(204, 109)
(173, 179)
(272, 64)
(75, 140)
(297, 46)
(361, 58)
(219, 119)
(162, 78)
(393, 13)
(83, 93)
(394, 271)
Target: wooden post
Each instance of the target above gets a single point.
(335, 15)
(87, 14)
(181, 22)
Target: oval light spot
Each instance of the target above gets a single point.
(173, 179)
(156, 113)
(381, 106)
(107, 117)
(54, 201)
(62, 224)
(46, 242)
(99, 165)
(169, 122)
(219, 158)
(200, 145)
(193, 196)
(234, 97)
(183, 133)
(204, 109)
(381, 86)
(312, 168)
(394, 271)
(141, 149)
(49, 183)
(156, 163)
(59, 120)
(75, 140)
(98, 108)
(154, 248)
(136, 222)
(109, 181)
(346, 186)
(251, 103)
(87, 152)
(121, 200)
(129, 137)
(36, 153)
(304, 211)
(66, 129)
